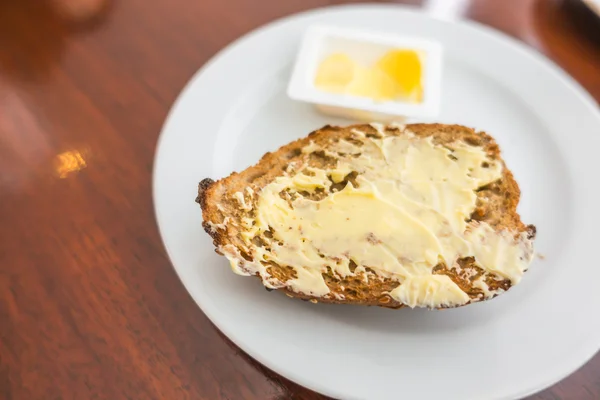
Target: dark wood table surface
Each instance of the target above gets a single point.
(90, 306)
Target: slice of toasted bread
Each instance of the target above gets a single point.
(229, 206)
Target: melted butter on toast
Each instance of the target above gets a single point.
(405, 209)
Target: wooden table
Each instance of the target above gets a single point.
(90, 307)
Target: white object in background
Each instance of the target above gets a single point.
(364, 47)
(594, 5)
(446, 9)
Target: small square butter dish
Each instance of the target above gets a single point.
(367, 75)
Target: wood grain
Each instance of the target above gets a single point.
(90, 307)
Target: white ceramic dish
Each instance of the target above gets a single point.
(364, 47)
(527, 339)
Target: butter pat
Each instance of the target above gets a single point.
(397, 76)
(367, 75)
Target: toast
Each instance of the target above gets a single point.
(448, 259)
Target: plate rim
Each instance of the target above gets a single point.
(492, 34)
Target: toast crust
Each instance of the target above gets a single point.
(496, 205)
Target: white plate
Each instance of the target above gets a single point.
(235, 109)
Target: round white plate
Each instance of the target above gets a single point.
(235, 109)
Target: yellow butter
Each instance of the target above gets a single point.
(397, 75)
(429, 291)
(335, 73)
